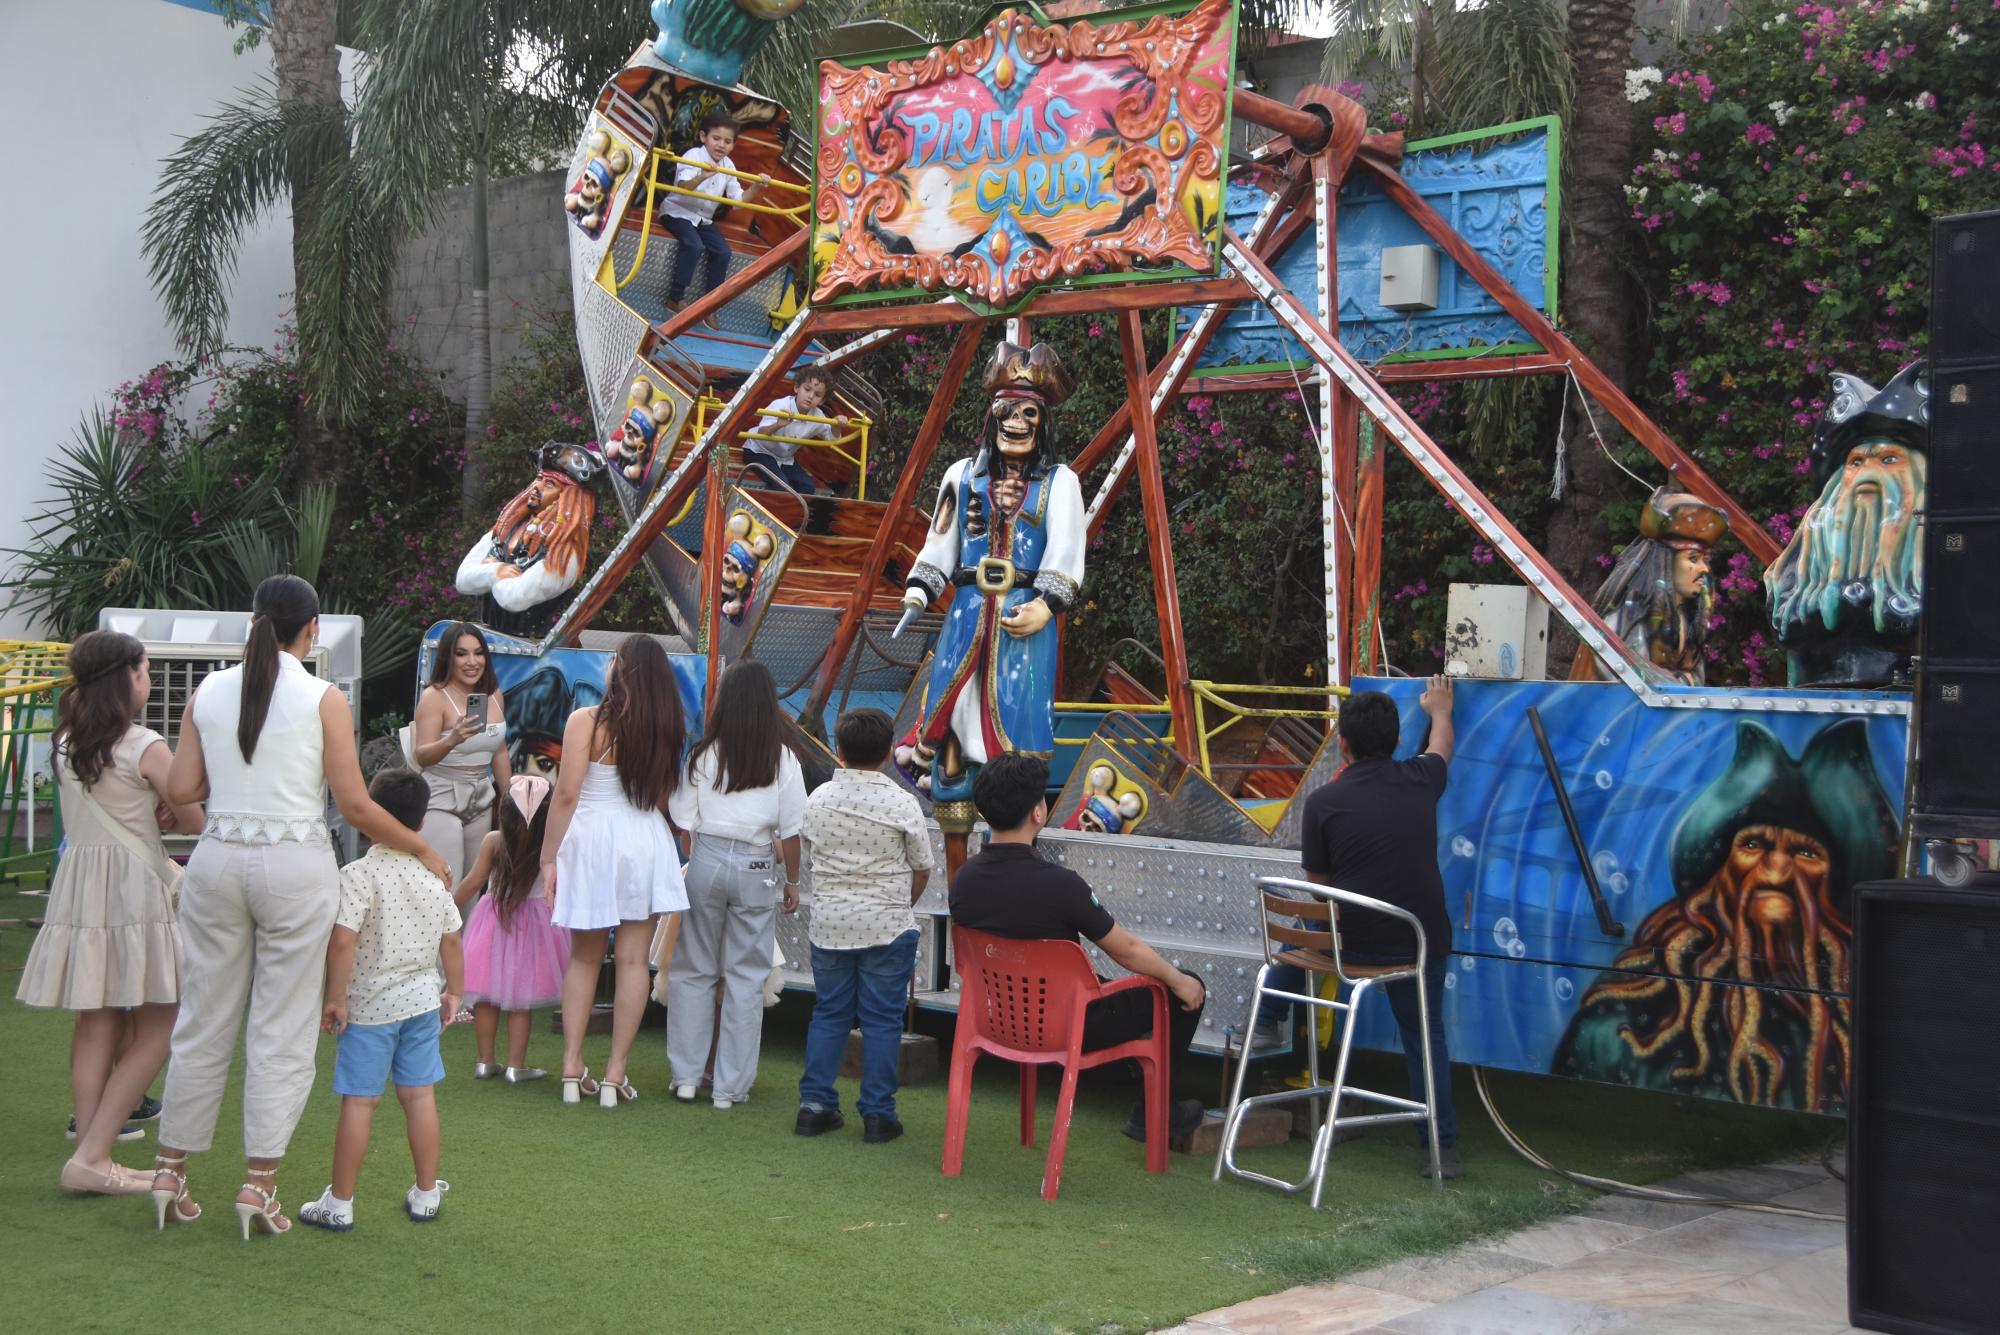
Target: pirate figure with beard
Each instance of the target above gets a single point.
(1659, 595)
(1006, 548)
(1735, 988)
(1846, 593)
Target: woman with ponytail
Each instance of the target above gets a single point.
(608, 855)
(261, 744)
(108, 945)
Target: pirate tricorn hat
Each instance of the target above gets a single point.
(1027, 373)
(1672, 516)
(573, 461)
(1830, 793)
(1900, 410)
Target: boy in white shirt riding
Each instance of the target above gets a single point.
(691, 218)
(808, 396)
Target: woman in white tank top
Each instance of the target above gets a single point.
(261, 744)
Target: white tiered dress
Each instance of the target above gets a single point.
(617, 863)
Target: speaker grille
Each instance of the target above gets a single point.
(1924, 1175)
(1957, 738)
(1961, 559)
(1965, 438)
(1965, 290)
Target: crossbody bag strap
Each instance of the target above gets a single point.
(163, 866)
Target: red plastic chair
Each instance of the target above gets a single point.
(1024, 1001)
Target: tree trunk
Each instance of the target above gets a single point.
(479, 353)
(305, 57)
(1596, 303)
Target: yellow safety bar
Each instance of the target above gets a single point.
(654, 186)
(28, 667)
(1206, 693)
(859, 428)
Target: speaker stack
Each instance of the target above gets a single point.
(1957, 723)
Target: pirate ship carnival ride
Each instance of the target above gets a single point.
(1039, 168)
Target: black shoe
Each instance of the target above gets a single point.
(1182, 1117)
(814, 1122)
(1449, 1164)
(127, 1132)
(148, 1109)
(878, 1130)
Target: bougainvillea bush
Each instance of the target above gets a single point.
(1792, 164)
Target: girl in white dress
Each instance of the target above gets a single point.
(109, 944)
(609, 853)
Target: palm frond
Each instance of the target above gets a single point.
(214, 187)
(314, 522)
(1505, 61)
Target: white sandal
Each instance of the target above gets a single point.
(171, 1200)
(269, 1216)
(575, 1086)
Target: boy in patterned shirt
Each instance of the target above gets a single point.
(871, 857)
(387, 1002)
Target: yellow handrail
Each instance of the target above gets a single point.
(1205, 693)
(654, 185)
(860, 427)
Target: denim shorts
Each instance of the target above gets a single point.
(368, 1055)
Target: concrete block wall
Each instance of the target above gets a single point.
(528, 273)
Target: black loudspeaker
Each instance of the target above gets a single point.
(1923, 1121)
(1959, 729)
(1965, 290)
(1965, 437)
(1961, 623)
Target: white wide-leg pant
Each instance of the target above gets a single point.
(726, 934)
(254, 925)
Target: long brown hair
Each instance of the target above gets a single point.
(93, 713)
(518, 860)
(745, 729)
(282, 607)
(448, 647)
(641, 716)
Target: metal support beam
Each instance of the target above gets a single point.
(1364, 597)
(1685, 471)
(710, 570)
(1336, 483)
(1159, 530)
(673, 492)
(911, 478)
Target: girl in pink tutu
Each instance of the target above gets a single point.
(514, 956)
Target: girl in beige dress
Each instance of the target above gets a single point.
(109, 946)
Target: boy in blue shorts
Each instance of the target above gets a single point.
(387, 1003)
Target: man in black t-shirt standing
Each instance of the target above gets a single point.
(1007, 891)
(1373, 830)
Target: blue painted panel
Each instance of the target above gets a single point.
(1495, 196)
(1529, 947)
(542, 691)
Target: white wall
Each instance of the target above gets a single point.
(92, 97)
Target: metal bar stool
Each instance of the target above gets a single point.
(1299, 920)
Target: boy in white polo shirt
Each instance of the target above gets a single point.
(387, 1002)
(691, 218)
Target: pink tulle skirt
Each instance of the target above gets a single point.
(519, 965)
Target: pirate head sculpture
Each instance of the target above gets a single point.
(1659, 595)
(1847, 591)
(538, 546)
(589, 198)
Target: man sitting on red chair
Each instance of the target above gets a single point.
(1008, 891)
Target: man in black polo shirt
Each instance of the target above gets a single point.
(1373, 830)
(1007, 891)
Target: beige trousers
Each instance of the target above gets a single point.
(254, 925)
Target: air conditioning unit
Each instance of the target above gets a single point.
(185, 646)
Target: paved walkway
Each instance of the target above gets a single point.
(1626, 1266)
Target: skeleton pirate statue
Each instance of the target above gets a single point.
(1736, 987)
(1006, 546)
(1847, 592)
(1659, 595)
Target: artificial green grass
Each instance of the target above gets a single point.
(661, 1215)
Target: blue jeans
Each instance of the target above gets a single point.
(697, 240)
(1403, 1005)
(868, 986)
(799, 479)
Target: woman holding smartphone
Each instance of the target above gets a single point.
(459, 741)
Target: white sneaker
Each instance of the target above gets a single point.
(328, 1212)
(724, 1104)
(423, 1206)
(686, 1093)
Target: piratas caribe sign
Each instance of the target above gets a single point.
(1026, 154)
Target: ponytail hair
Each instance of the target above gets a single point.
(282, 607)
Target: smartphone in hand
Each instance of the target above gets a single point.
(475, 707)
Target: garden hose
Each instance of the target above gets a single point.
(1612, 1186)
